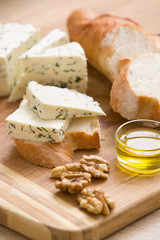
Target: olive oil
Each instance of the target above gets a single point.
(138, 149)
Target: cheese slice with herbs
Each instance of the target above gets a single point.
(64, 66)
(15, 39)
(54, 38)
(50, 102)
(25, 124)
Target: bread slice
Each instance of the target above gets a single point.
(107, 39)
(83, 133)
(45, 154)
(135, 93)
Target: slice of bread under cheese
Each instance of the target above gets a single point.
(136, 91)
(54, 38)
(45, 154)
(83, 133)
(14, 41)
(51, 102)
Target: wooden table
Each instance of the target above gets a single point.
(55, 12)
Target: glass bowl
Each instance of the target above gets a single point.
(138, 146)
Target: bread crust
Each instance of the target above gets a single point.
(121, 94)
(149, 108)
(82, 140)
(89, 29)
(45, 154)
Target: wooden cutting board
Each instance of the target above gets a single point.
(29, 202)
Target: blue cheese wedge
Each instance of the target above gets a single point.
(64, 66)
(25, 124)
(15, 39)
(50, 102)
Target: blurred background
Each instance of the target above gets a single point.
(57, 11)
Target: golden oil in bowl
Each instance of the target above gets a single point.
(138, 146)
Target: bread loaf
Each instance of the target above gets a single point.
(109, 39)
(135, 93)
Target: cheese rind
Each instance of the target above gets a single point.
(15, 39)
(63, 66)
(51, 102)
(25, 124)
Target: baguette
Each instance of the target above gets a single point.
(84, 133)
(135, 93)
(109, 39)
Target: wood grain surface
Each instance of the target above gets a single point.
(29, 203)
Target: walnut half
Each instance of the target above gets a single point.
(58, 172)
(96, 201)
(73, 182)
(97, 166)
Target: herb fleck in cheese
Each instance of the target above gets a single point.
(25, 124)
(51, 102)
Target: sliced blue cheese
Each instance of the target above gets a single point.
(25, 124)
(50, 102)
(15, 39)
(64, 66)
